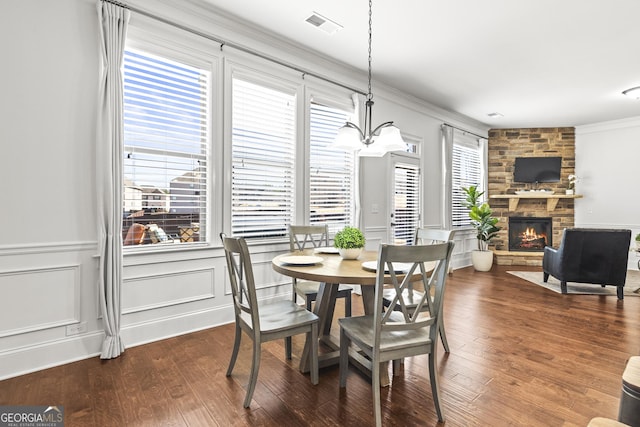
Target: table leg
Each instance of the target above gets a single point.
(368, 299)
(323, 308)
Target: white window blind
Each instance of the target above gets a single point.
(331, 171)
(166, 132)
(466, 170)
(406, 212)
(263, 148)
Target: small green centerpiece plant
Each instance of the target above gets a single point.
(349, 242)
(349, 238)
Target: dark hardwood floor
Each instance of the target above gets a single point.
(520, 356)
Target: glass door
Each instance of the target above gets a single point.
(405, 199)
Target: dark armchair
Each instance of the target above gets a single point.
(589, 255)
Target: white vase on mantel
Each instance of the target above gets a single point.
(569, 192)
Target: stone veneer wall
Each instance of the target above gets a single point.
(507, 144)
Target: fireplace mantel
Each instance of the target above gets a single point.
(552, 199)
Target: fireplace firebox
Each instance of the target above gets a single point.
(529, 233)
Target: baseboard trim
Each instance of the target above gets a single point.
(46, 355)
(163, 328)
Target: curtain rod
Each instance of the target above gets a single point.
(233, 45)
(464, 130)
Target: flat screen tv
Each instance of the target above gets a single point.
(537, 169)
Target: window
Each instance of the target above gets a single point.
(263, 152)
(467, 169)
(166, 129)
(331, 171)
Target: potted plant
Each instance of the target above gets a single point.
(638, 242)
(485, 226)
(349, 242)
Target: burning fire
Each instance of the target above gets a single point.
(529, 238)
(530, 233)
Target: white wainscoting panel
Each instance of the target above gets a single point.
(39, 298)
(374, 236)
(152, 291)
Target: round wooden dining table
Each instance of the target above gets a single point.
(332, 269)
(330, 273)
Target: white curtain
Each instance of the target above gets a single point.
(109, 139)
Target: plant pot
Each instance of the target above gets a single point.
(637, 244)
(482, 260)
(569, 192)
(352, 253)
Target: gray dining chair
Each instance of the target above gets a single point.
(263, 322)
(302, 237)
(424, 236)
(392, 335)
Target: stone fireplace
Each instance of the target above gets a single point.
(557, 208)
(530, 233)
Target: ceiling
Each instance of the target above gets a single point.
(540, 63)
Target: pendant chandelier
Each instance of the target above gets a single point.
(370, 141)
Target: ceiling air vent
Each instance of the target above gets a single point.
(325, 24)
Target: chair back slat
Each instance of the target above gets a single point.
(301, 235)
(428, 236)
(241, 277)
(421, 258)
(405, 284)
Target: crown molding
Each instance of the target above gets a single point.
(608, 126)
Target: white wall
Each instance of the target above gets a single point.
(48, 121)
(606, 157)
(48, 271)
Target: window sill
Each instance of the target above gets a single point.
(161, 253)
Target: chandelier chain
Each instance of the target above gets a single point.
(369, 94)
(354, 137)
